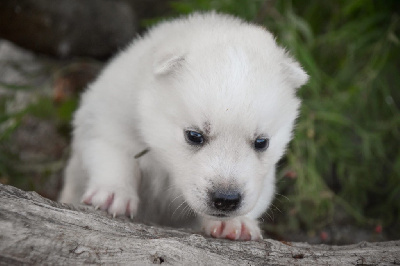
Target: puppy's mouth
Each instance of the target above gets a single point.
(219, 215)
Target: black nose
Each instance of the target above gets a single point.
(226, 201)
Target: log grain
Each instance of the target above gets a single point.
(35, 230)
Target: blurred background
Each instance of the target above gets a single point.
(340, 180)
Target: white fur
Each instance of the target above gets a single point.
(207, 72)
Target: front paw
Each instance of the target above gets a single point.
(240, 228)
(117, 201)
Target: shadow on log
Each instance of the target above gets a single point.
(35, 230)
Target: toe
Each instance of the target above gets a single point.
(132, 207)
(123, 205)
(213, 228)
(232, 229)
(102, 199)
(245, 235)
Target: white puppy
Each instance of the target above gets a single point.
(212, 100)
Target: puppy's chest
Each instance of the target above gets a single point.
(160, 201)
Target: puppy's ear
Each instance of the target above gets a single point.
(294, 73)
(168, 64)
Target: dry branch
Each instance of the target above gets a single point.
(35, 230)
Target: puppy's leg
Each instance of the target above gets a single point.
(74, 181)
(114, 177)
(239, 228)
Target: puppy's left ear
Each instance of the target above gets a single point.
(294, 73)
(168, 64)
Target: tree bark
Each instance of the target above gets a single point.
(35, 230)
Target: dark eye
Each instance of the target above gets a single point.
(194, 138)
(261, 144)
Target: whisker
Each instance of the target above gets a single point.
(177, 197)
(276, 207)
(178, 208)
(282, 196)
(187, 211)
(270, 217)
(182, 212)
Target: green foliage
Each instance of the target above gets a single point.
(244, 8)
(45, 108)
(345, 153)
(347, 137)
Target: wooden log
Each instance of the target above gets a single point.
(35, 230)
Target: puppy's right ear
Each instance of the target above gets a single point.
(168, 64)
(295, 74)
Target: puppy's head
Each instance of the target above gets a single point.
(218, 116)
